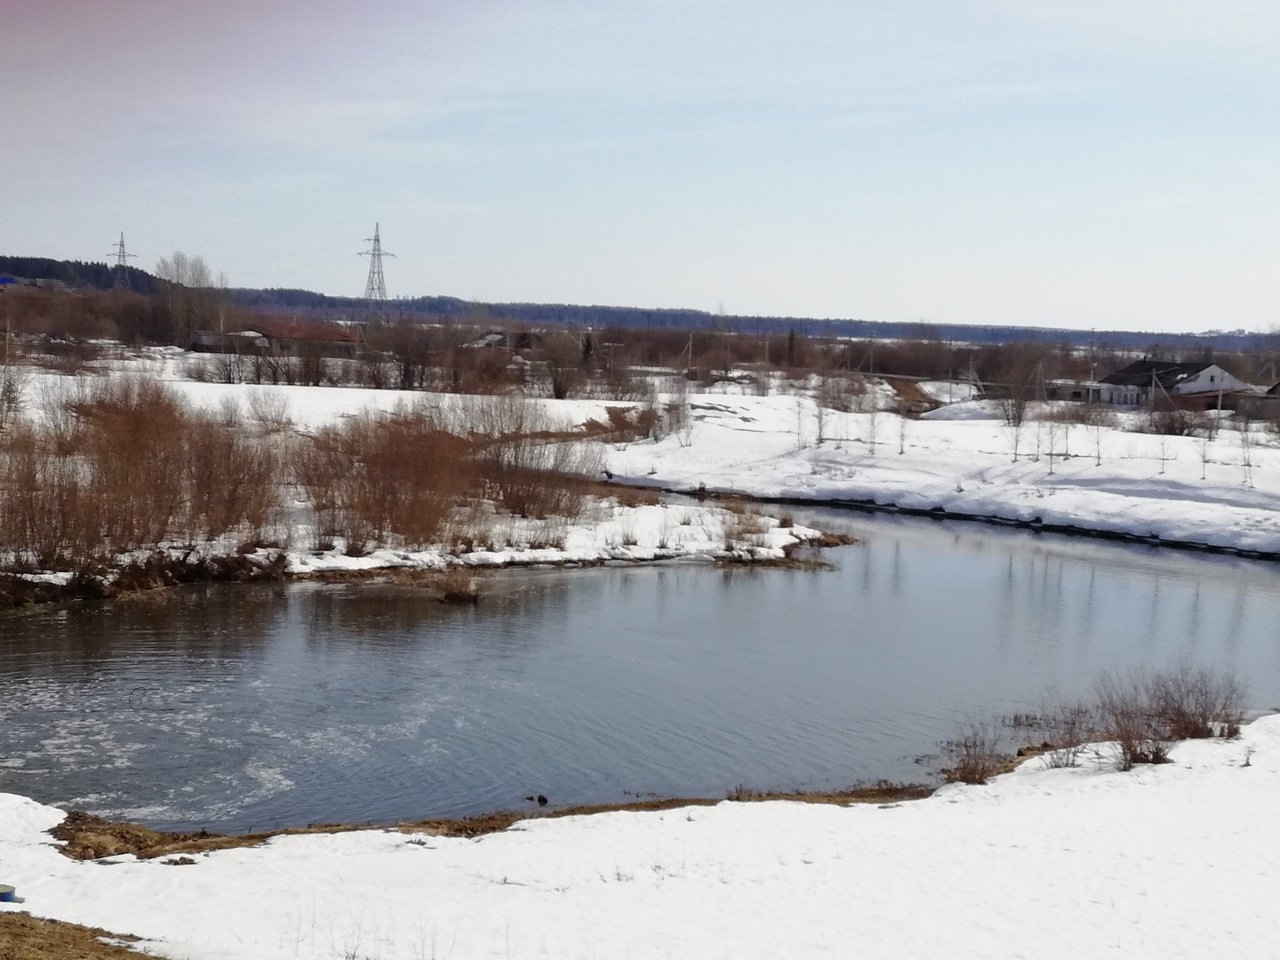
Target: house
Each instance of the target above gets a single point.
(1145, 381)
(1081, 391)
(57, 286)
(299, 336)
(504, 340)
(239, 341)
(281, 338)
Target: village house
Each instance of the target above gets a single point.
(1145, 382)
(281, 338)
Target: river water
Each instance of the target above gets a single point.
(250, 707)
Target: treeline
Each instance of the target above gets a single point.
(77, 273)
(443, 309)
(167, 317)
(641, 318)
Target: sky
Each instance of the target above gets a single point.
(1086, 164)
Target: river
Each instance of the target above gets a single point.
(253, 707)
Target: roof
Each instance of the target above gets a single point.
(1140, 373)
(1071, 382)
(305, 330)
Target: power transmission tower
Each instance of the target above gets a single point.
(120, 273)
(375, 289)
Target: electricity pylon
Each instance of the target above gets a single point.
(120, 273)
(375, 289)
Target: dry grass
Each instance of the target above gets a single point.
(24, 937)
(458, 587)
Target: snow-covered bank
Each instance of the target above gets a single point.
(1167, 861)
(1222, 493)
(636, 534)
(613, 533)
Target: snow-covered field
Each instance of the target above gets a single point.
(1222, 492)
(1160, 862)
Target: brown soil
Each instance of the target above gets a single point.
(89, 838)
(24, 937)
(910, 394)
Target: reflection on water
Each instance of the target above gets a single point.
(243, 707)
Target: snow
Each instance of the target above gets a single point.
(949, 391)
(632, 534)
(1160, 862)
(967, 410)
(1102, 479)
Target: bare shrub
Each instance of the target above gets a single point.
(524, 463)
(196, 369)
(1087, 414)
(134, 448)
(1058, 731)
(48, 514)
(744, 529)
(624, 424)
(378, 479)
(231, 481)
(14, 380)
(840, 392)
(230, 412)
(1174, 423)
(57, 402)
(1071, 727)
(458, 587)
(1128, 717)
(1195, 702)
(973, 755)
(122, 465)
(270, 408)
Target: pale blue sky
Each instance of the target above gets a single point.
(1082, 163)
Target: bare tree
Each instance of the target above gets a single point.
(1014, 411)
(191, 293)
(1246, 449)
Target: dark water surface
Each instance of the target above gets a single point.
(251, 707)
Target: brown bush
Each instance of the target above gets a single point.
(1087, 414)
(231, 481)
(381, 479)
(1174, 423)
(1127, 716)
(973, 755)
(122, 466)
(1195, 702)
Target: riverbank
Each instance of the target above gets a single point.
(1045, 862)
(1107, 481)
(613, 532)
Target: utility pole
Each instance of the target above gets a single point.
(375, 288)
(120, 273)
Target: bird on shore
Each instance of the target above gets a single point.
(608, 474)
(539, 799)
